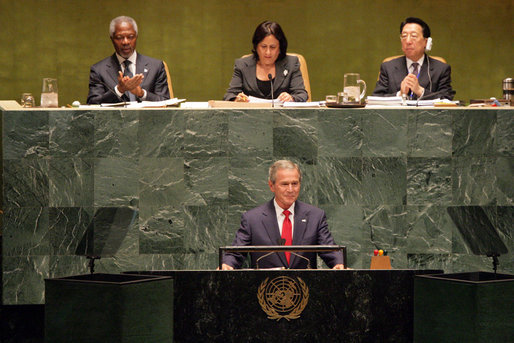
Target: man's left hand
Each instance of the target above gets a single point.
(338, 266)
(411, 82)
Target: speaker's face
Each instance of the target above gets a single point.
(413, 42)
(286, 187)
(124, 39)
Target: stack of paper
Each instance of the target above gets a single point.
(384, 100)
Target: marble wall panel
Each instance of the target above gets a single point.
(250, 136)
(384, 133)
(340, 133)
(71, 182)
(67, 226)
(206, 134)
(340, 181)
(504, 133)
(25, 182)
(25, 231)
(25, 134)
(384, 177)
(71, 134)
(116, 182)
(429, 181)
(295, 135)
(474, 133)
(429, 133)
(384, 180)
(161, 229)
(504, 183)
(23, 279)
(474, 181)
(116, 134)
(161, 134)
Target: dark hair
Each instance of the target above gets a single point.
(413, 20)
(267, 28)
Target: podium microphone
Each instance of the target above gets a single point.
(270, 77)
(282, 241)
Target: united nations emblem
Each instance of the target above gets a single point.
(283, 297)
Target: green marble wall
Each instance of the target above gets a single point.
(385, 177)
(199, 39)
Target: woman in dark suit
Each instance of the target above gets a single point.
(252, 74)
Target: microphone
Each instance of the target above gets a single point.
(270, 77)
(282, 241)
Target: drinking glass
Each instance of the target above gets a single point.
(27, 100)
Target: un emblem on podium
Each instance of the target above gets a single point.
(283, 297)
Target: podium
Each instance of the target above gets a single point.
(109, 307)
(293, 305)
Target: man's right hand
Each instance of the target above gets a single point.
(226, 267)
(130, 84)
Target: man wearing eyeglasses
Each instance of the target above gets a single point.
(415, 75)
(127, 75)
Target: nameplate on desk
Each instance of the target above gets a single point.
(235, 104)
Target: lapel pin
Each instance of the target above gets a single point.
(304, 220)
(146, 70)
(285, 72)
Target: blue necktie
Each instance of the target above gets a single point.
(128, 73)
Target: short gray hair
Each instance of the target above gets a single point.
(119, 20)
(282, 164)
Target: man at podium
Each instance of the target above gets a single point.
(284, 221)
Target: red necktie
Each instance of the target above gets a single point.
(287, 232)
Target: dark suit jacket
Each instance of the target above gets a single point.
(393, 72)
(259, 226)
(288, 78)
(104, 77)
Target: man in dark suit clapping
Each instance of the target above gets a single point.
(127, 75)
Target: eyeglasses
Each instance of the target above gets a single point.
(414, 35)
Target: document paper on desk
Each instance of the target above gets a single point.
(145, 104)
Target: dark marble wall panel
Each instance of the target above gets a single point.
(116, 182)
(505, 134)
(340, 134)
(385, 178)
(384, 133)
(504, 183)
(71, 182)
(25, 134)
(474, 181)
(116, 134)
(206, 134)
(161, 134)
(429, 133)
(474, 133)
(23, 279)
(26, 231)
(71, 134)
(295, 135)
(341, 179)
(161, 229)
(429, 181)
(25, 182)
(384, 181)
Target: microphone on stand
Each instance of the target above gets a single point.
(270, 77)
(282, 241)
